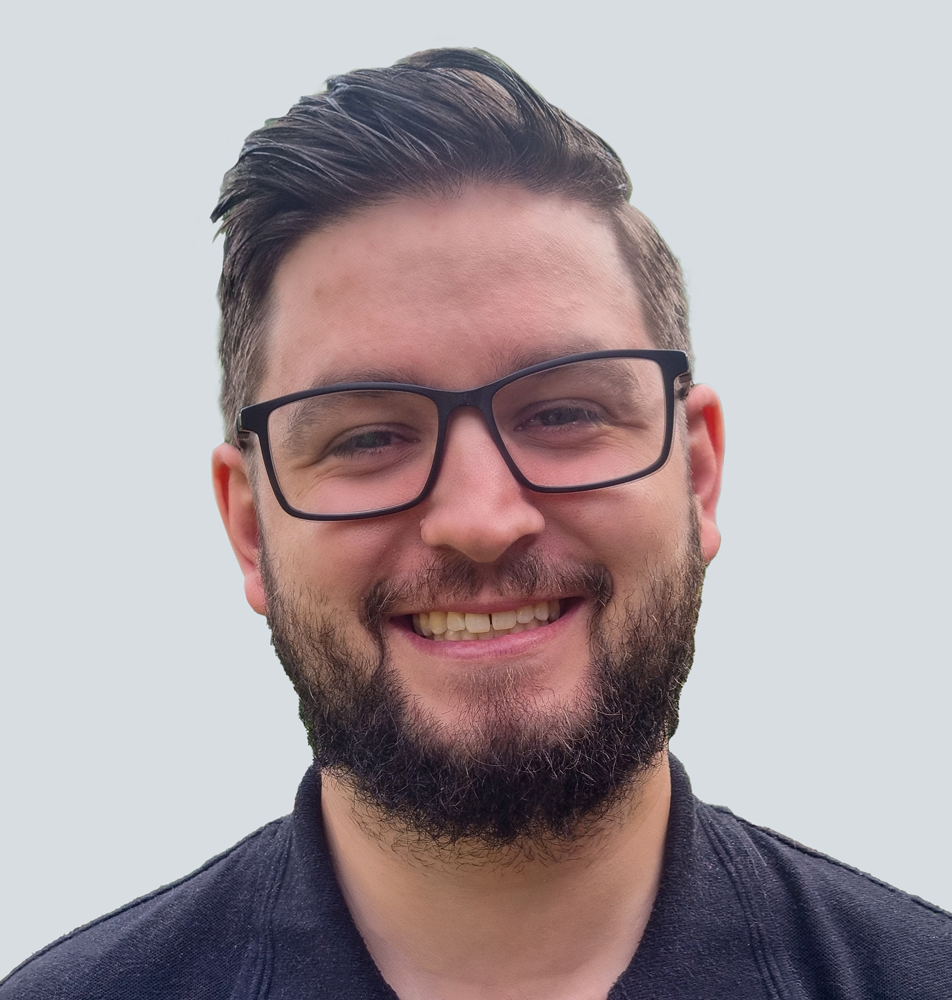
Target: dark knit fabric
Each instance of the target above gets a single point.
(742, 913)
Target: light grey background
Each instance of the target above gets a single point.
(796, 157)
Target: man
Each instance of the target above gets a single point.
(471, 484)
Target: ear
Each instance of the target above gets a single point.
(237, 508)
(705, 421)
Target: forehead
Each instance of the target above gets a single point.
(449, 292)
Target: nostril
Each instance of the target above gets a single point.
(481, 537)
(464, 514)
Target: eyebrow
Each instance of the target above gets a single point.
(504, 361)
(342, 376)
(520, 358)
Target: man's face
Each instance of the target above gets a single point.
(455, 293)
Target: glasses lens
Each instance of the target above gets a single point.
(584, 423)
(353, 451)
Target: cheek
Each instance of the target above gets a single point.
(639, 531)
(626, 526)
(334, 562)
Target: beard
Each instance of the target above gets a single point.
(515, 771)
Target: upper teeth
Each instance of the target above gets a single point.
(466, 625)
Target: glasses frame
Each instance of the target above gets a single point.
(254, 420)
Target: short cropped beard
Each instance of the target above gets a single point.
(512, 775)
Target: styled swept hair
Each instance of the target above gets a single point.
(428, 125)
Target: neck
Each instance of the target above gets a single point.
(558, 921)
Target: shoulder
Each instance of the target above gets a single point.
(845, 932)
(200, 929)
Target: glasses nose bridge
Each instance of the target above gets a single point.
(451, 401)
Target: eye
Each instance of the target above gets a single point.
(369, 442)
(567, 414)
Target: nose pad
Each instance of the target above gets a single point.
(476, 507)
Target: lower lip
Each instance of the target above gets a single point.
(519, 644)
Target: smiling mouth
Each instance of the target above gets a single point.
(464, 625)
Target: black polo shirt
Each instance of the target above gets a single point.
(742, 914)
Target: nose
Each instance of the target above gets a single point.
(476, 507)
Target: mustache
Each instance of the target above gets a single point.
(447, 579)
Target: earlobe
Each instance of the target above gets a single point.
(236, 506)
(705, 421)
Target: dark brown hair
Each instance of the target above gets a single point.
(431, 123)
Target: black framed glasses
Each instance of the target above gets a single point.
(363, 449)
